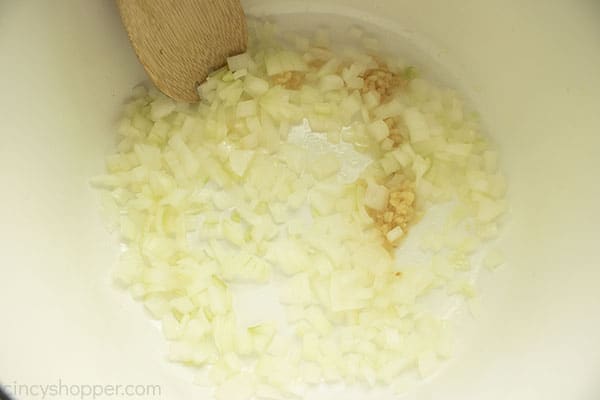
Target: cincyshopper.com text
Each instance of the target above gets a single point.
(61, 390)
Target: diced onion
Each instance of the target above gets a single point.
(376, 196)
(210, 196)
(239, 62)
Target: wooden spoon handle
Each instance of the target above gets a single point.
(179, 42)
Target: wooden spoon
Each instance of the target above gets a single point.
(179, 42)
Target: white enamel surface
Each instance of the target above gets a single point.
(532, 70)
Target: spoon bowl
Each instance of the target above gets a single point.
(179, 42)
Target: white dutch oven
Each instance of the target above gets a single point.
(532, 69)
